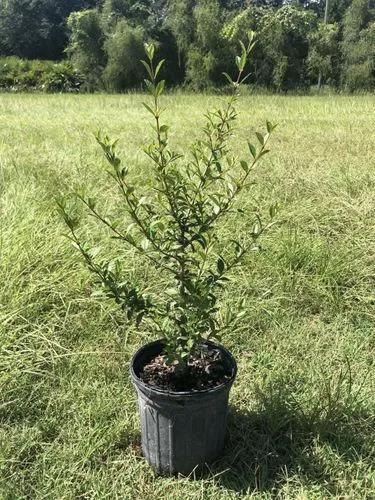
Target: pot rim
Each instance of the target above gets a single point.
(142, 385)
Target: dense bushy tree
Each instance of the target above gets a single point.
(358, 46)
(282, 48)
(36, 29)
(283, 38)
(205, 55)
(86, 46)
(323, 52)
(181, 23)
(124, 49)
(149, 13)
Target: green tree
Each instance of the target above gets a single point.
(150, 14)
(283, 39)
(358, 50)
(114, 10)
(86, 46)
(36, 29)
(323, 50)
(181, 23)
(282, 48)
(124, 49)
(207, 54)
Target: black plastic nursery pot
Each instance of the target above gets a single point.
(181, 431)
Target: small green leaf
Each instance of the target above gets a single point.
(244, 165)
(150, 50)
(243, 80)
(251, 36)
(256, 229)
(142, 201)
(243, 58)
(260, 138)
(160, 87)
(158, 67)
(270, 127)
(220, 265)
(150, 86)
(228, 78)
(91, 203)
(264, 152)
(252, 150)
(148, 68)
(164, 129)
(149, 109)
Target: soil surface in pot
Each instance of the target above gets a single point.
(204, 372)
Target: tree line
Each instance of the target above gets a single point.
(300, 42)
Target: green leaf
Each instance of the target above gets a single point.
(256, 229)
(264, 152)
(270, 127)
(71, 222)
(228, 78)
(252, 149)
(244, 165)
(91, 203)
(150, 86)
(251, 36)
(220, 265)
(243, 80)
(142, 201)
(148, 69)
(240, 314)
(160, 87)
(164, 129)
(260, 138)
(158, 67)
(243, 57)
(150, 50)
(149, 109)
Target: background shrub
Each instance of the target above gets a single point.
(44, 76)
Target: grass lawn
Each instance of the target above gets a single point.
(302, 422)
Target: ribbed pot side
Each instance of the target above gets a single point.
(181, 431)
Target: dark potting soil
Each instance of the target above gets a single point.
(204, 372)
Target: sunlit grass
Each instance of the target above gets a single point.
(302, 418)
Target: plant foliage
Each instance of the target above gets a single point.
(176, 225)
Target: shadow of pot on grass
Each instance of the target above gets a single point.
(266, 447)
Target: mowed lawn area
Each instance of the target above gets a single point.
(302, 421)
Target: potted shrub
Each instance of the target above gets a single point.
(183, 379)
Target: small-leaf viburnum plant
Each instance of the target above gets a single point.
(176, 225)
